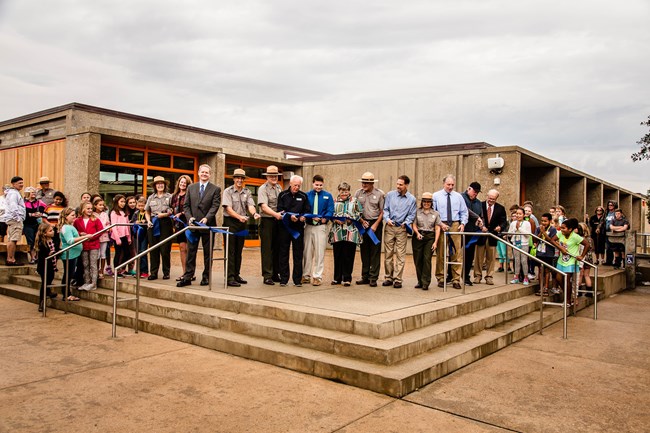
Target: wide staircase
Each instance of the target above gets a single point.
(389, 341)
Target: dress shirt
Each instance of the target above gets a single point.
(458, 207)
(325, 203)
(400, 209)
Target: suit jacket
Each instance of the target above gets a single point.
(498, 218)
(202, 207)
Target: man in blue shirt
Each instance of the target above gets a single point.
(453, 212)
(313, 260)
(399, 212)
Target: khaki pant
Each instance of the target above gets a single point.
(395, 249)
(484, 254)
(456, 257)
(313, 259)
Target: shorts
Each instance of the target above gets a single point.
(3, 229)
(617, 248)
(549, 260)
(14, 230)
(567, 269)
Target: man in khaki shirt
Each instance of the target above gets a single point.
(267, 199)
(237, 201)
(372, 202)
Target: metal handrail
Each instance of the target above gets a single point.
(492, 235)
(645, 245)
(67, 267)
(137, 272)
(594, 290)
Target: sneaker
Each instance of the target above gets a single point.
(108, 272)
(555, 291)
(316, 281)
(306, 279)
(526, 281)
(91, 287)
(85, 287)
(531, 277)
(132, 272)
(144, 275)
(514, 281)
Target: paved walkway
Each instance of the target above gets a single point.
(64, 373)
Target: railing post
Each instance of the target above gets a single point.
(114, 326)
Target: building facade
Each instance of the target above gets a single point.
(84, 148)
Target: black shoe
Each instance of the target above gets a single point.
(154, 277)
(373, 283)
(456, 286)
(441, 284)
(205, 282)
(500, 270)
(240, 280)
(397, 285)
(232, 283)
(425, 287)
(40, 308)
(166, 277)
(183, 282)
(469, 283)
(335, 283)
(269, 281)
(283, 284)
(362, 281)
(387, 283)
(418, 286)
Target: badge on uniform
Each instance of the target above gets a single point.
(298, 199)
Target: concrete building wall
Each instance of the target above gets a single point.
(573, 192)
(541, 187)
(637, 213)
(82, 165)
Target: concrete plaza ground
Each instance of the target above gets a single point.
(64, 373)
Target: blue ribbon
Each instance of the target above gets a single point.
(137, 230)
(373, 237)
(243, 233)
(156, 226)
(286, 220)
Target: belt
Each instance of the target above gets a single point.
(450, 223)
(426, 232)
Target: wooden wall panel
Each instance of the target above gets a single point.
(32, 162)
(28, 164)
(7, 165)
(53, 163)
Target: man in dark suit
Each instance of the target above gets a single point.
(495, 221)
(201, 204)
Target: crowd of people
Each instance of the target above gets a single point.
(301, 225)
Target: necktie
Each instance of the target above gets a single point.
(449, 220)
(489, 214)
(315, 207)
(201, 190)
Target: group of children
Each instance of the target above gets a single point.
(566, 243)
(89, 261)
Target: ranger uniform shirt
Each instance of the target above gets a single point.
(237, 200)
(268, 194)
(371, 202)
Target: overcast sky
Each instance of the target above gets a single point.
(565, 79)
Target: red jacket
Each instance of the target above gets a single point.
(93, 226)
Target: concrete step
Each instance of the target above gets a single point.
(387, 351)
(396, 380)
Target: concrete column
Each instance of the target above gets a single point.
(637, 215)
(594, 196)
(81, 171)
(609, 194)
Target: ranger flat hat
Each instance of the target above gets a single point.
(368, 177)
(272, 170)
(160, 179)
(44, 179)
(427, 196)
(239, 173)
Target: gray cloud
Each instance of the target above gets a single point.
(566, 80)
